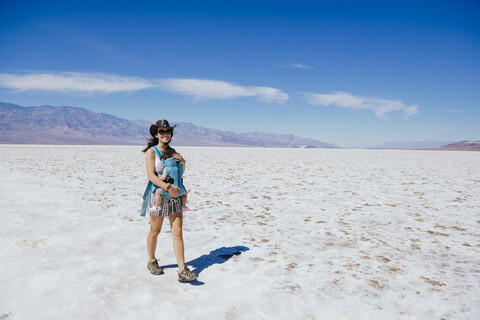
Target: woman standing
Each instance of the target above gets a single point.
(157, 151)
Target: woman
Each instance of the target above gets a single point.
(171, 202)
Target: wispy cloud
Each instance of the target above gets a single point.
(110, 83)
(73, 81)
(214, 89)
(301, 66)
(346, 100)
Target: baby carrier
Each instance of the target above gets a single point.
(174, 170)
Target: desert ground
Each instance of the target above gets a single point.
(273, 233)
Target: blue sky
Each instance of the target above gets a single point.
(352, 73)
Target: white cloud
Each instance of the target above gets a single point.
(110, 83)
(72, 81)
(214, 89)
(301, 66)
(346, 100)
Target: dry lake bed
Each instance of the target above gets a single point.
(274, 234)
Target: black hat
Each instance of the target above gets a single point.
(160, 124)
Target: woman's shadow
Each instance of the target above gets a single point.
(217, 256)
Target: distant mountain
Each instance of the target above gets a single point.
(463, 145)
(410, 145)
(64, 125)
(189, 134)
(71, 125)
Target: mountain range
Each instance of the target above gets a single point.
(72, 125)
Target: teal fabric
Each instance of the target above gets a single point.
(174, 169)
(146, 198)
(149, 189)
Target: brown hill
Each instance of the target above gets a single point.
(463, 146)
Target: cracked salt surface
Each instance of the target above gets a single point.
(275, 233)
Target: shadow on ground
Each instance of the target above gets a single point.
(217, 256)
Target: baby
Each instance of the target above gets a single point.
(159, 191)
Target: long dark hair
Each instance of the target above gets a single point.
(153, 141)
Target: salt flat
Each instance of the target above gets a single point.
(274, 233)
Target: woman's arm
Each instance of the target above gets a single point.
(151, 173)
(178, 157)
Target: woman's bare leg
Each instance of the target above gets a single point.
(176, 224)
(155, 227)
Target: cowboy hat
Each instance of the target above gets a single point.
(160, 124)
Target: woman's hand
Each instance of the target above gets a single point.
(178, 157)
(173, 192)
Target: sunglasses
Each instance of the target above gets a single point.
(165, 131)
